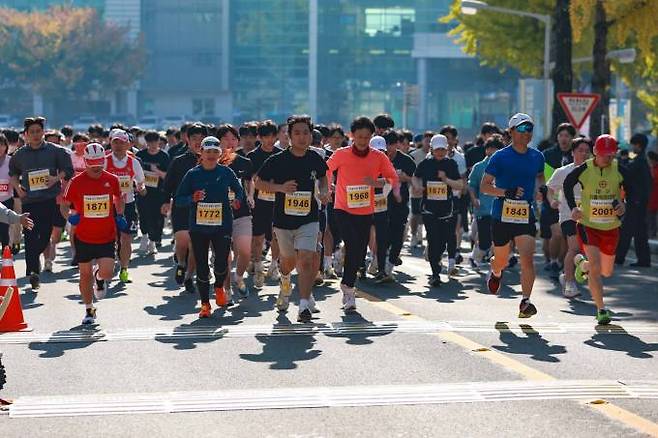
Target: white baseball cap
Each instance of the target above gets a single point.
(378, 142)
(519, 118)
(439, 141)
(94, 155)
(119, 134)
(211, 142)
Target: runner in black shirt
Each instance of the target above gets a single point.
(292, 175)
(438, 176)
(264, 202)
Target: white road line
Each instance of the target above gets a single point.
(324, 397)
(330, 329)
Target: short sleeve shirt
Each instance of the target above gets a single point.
(437, 195)
(93, 199)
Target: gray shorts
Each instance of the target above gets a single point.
(242, 227)
(304, 238)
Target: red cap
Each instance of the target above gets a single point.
(605, 145)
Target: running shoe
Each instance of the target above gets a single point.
(373, 267)
(189, 285)
(285, 290)
(580, 274)
(124, 277)
(388, 267)
(434, 281)
(241, 288)
(452, 268)
(379, 278)
(205, 310)
(180, 274)
(473, 263)
(48, 266)
(571, 290)
(153, 248)
(312, 306)
(143, 244)
(90, 317)
(273, 272)
(562, 279)
(35, 282)
(259, 276)
(526, 309)
(459, 259)
(603, 317)
(319, 281)
(349, 298)
(493, 282)
(330, 273)
(220, 297)
(304, 316)
(100, 286)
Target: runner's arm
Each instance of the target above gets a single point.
(488, 187)
(184, 193)
(570, 182)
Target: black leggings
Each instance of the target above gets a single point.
(201, 242)
(151, 221)
(38, 238)
(484, 232)
(389, 230)
(440, 233)
(4, 228)
(355, 231)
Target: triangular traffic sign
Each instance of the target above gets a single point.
(578, 106)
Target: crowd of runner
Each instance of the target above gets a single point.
(315, 200)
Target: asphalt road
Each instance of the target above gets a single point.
(452, 361)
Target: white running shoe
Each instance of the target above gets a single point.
(100, 286)
(388, 268)
(349, 298)
(241, 287)
(144, 244)
(152, 249)
(563, 280)
(571, 290)
(90, 317)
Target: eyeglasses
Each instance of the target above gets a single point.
(525, 128)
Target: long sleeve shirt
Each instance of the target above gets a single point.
(353, 194)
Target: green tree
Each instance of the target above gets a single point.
(65, 52)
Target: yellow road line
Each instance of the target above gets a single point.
(608, 409)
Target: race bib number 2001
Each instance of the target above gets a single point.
(601, 211)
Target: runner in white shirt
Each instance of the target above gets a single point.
(581, 149)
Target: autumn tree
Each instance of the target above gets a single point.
(65, 53)
(630, 23)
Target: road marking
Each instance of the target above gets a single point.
(322, 397)
(612, 411)
(410, 324)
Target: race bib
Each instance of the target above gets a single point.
(4, 186)
(151, 179)
(209, 213)
(601, 211)
(297, 204)
(437, 191)
(515, 212)
(381, 203)
(96, 206)
(358, 196)
(266, 196)
(38, 179)
(125, 183)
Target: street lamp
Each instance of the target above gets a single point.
(470, 7)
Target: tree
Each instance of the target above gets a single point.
(66, 52)
(631, 23)
(504, 40)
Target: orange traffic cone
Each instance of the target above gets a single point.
(11, 313)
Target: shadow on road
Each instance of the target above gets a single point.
(614, 337)
(359, 338)
(57, 349)
(533, 344)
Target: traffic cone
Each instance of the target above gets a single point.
(11, 313)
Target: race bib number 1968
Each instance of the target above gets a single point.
(358, 196)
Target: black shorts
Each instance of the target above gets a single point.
(263, 214)
(86, 252)
(568, 228)
(130, 212)
(503, 233)
(180, 219)
(58, 219)
(547, 218)
(416, 205)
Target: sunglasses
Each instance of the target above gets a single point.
(525, 128)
